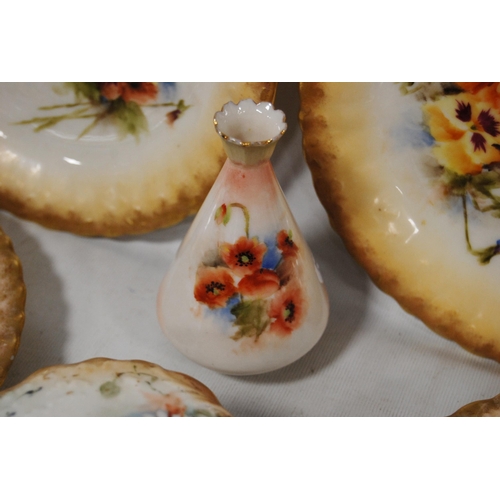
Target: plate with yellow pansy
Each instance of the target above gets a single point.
(103, 387)
(111, 158)
(409, 174)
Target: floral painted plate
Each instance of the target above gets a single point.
(103, 387)
(12, 301)
(111, 158)
(410, 177)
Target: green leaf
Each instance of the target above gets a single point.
(129, 117)
(181, 106)
(88, 90)
(456, 183)
(486, 180)
(484, 256)
(109, 389)
(226, 218)
(251, 317)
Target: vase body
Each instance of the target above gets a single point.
(243, 295)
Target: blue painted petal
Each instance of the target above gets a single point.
(167, 88)
(273, 256)
(224, 313)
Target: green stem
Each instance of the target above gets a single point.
(58, 106)
(466, 223)
(48, 121)
(159, 105)
(97, 118)
(486, 254)
(246, 213)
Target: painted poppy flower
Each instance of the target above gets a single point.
(140, 93)
(214, 286)
(244, 256)
(287, 310)
(286, 245)
(111, 90)
(260, 284)
(287, 270)
(170, 403)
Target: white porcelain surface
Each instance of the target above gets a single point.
(93, 297)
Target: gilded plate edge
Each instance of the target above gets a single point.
(12, 319)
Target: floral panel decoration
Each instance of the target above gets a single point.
(120, 104)
(462, 121)
(254, 284)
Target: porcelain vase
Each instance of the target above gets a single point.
(243, 295)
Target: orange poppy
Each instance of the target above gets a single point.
(286, 245)
(111, 90)
(214, 286)
(287, 310)
(261, 284)
(170, 403)
(244, 256)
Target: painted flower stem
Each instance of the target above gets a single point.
(59, 106)
(246, 214)
(53, 120)
(97, 118)
(180, 104)
(486, 254)
(120, 103)
(466, 223)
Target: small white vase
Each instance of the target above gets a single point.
(243, 295)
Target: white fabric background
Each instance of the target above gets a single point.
(91, 297)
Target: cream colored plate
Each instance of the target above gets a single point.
(12, 301)
(103, 387)
(409, 175)
(111, 159)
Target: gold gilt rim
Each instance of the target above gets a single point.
(244, 144)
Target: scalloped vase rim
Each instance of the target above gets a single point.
(275, 118)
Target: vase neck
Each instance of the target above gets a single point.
(249, 130)
(248, 155)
